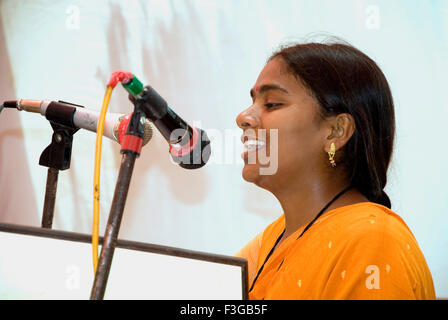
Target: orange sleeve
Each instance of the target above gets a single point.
(382, 261)
(250, 252)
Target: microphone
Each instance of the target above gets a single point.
(76, 116)
(189, 146)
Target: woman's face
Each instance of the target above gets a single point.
(283, 133)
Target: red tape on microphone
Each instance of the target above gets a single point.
(128, 142)
(180, 151)
(132, 143)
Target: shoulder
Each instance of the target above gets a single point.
(371, 229)
(274, 229)
(256, 249)
(367, 220)
(269, 233)
(374, 240)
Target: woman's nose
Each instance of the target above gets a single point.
(247, 119)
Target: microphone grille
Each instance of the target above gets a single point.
(148, 132)
(122, 125)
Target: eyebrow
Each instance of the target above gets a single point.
(266, 87)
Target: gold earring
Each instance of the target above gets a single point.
(331, 154)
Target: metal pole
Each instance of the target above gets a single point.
(50, 198)
(55, 157)
(113, 226)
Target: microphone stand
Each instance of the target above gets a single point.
(56, 156)
(131, 148)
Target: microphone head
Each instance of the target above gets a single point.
(195, 154)
(121, 127)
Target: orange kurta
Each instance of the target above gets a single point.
(360, 251)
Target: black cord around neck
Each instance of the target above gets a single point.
(323, 210)
(304, 230)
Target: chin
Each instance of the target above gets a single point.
(251, 173)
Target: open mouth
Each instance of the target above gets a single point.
(258, 151)
(252, 145)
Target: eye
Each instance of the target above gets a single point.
(272, 105)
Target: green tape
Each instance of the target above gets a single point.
(1, 108)
(135, 87)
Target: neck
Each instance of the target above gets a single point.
(302, 202)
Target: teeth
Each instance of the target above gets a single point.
(253, 144)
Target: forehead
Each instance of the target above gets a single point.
(276, 72)
(274, 67)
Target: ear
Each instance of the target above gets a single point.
(341, 129)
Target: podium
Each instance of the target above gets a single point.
(37, 263)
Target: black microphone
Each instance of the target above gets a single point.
(189, 146)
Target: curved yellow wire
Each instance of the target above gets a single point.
(96, 177)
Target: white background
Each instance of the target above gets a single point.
(203, 57)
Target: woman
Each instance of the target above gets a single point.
(332, 111)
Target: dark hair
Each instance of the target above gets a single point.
(345, 80)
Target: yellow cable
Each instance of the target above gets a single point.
(96, 178)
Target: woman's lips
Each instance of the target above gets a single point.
(252, 145)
